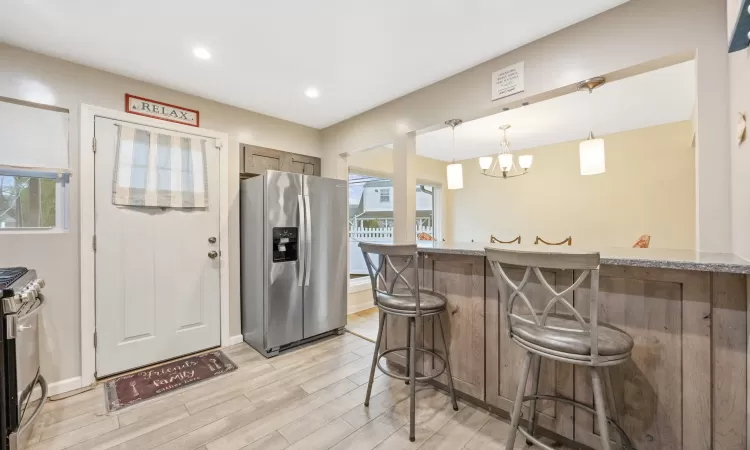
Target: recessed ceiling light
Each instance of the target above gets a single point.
(312, 92)
(201, 53)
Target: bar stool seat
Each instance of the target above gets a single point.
(537, 326)
(429, 302)
(396, 292)
(560, 335)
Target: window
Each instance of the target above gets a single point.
(370, 219)
(33, 167)
(426, 229)
(28, 202)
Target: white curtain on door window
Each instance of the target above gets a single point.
(159, 169)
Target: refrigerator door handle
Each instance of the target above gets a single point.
(308, 243)
(302, 239)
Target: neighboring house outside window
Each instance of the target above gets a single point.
(371, 215)
(385, 195)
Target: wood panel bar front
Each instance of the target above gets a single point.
(685, 386)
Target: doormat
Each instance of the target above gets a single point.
(140, 386)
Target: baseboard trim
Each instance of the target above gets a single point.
(58, 387)
(357, 307)
(234, 340)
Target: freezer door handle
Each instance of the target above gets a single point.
(301, 240)
(308, 243)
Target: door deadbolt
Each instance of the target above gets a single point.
(212, 254)
(212, 240)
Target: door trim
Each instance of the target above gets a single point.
(88, 113)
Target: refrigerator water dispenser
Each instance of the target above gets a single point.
(284, 244)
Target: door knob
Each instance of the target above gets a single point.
(212, 240)
(212, 254)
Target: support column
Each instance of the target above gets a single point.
(712, 150)
(405, 188)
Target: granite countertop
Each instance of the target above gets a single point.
(615, 256)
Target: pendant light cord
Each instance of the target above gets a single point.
(453, 127)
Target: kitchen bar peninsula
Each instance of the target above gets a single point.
(686, 384)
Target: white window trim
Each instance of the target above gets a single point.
(62, 197)
(438, 215)
(88, 113)
(360, 284)
(437, 211)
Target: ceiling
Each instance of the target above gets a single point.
(653, 98)
(265, 54)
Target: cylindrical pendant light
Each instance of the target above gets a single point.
(455, 176)
(591, 151)
(455, 171)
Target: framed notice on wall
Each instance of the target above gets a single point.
(507, 81)
(160, 110)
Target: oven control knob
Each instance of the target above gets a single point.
(41, 283)
(28, 295)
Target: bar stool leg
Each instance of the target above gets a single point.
(447, 364)
(599, 405)
(381, 326)
(612, 406)
(408, 348)
(516, 415)
(536, 366)
(412, 375)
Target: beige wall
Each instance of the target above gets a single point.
(379, 161)
(34, 77)
(739, 102)
(648, 188)
(632, 34)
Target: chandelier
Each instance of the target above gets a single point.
(504, 162)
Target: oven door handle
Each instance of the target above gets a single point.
(36, 309)
(12, 327)
(43, 400)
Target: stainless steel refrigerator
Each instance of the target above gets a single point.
(294, 262)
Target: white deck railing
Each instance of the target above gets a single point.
(362, 234)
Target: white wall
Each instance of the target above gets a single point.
(739, 102)
(634, 34)
(648, 188)
(33, 77)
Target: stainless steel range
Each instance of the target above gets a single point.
(19, 330)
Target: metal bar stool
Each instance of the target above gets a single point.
(566, 337)
(411, 302)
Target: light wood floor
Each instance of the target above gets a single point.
(309, 399)
(364, 323)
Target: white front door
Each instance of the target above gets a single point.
(157, 288)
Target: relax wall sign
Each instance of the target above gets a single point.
(160, 110)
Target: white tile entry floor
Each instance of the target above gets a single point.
(311, 398)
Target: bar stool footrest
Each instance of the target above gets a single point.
(406, 378)
(626, 444)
